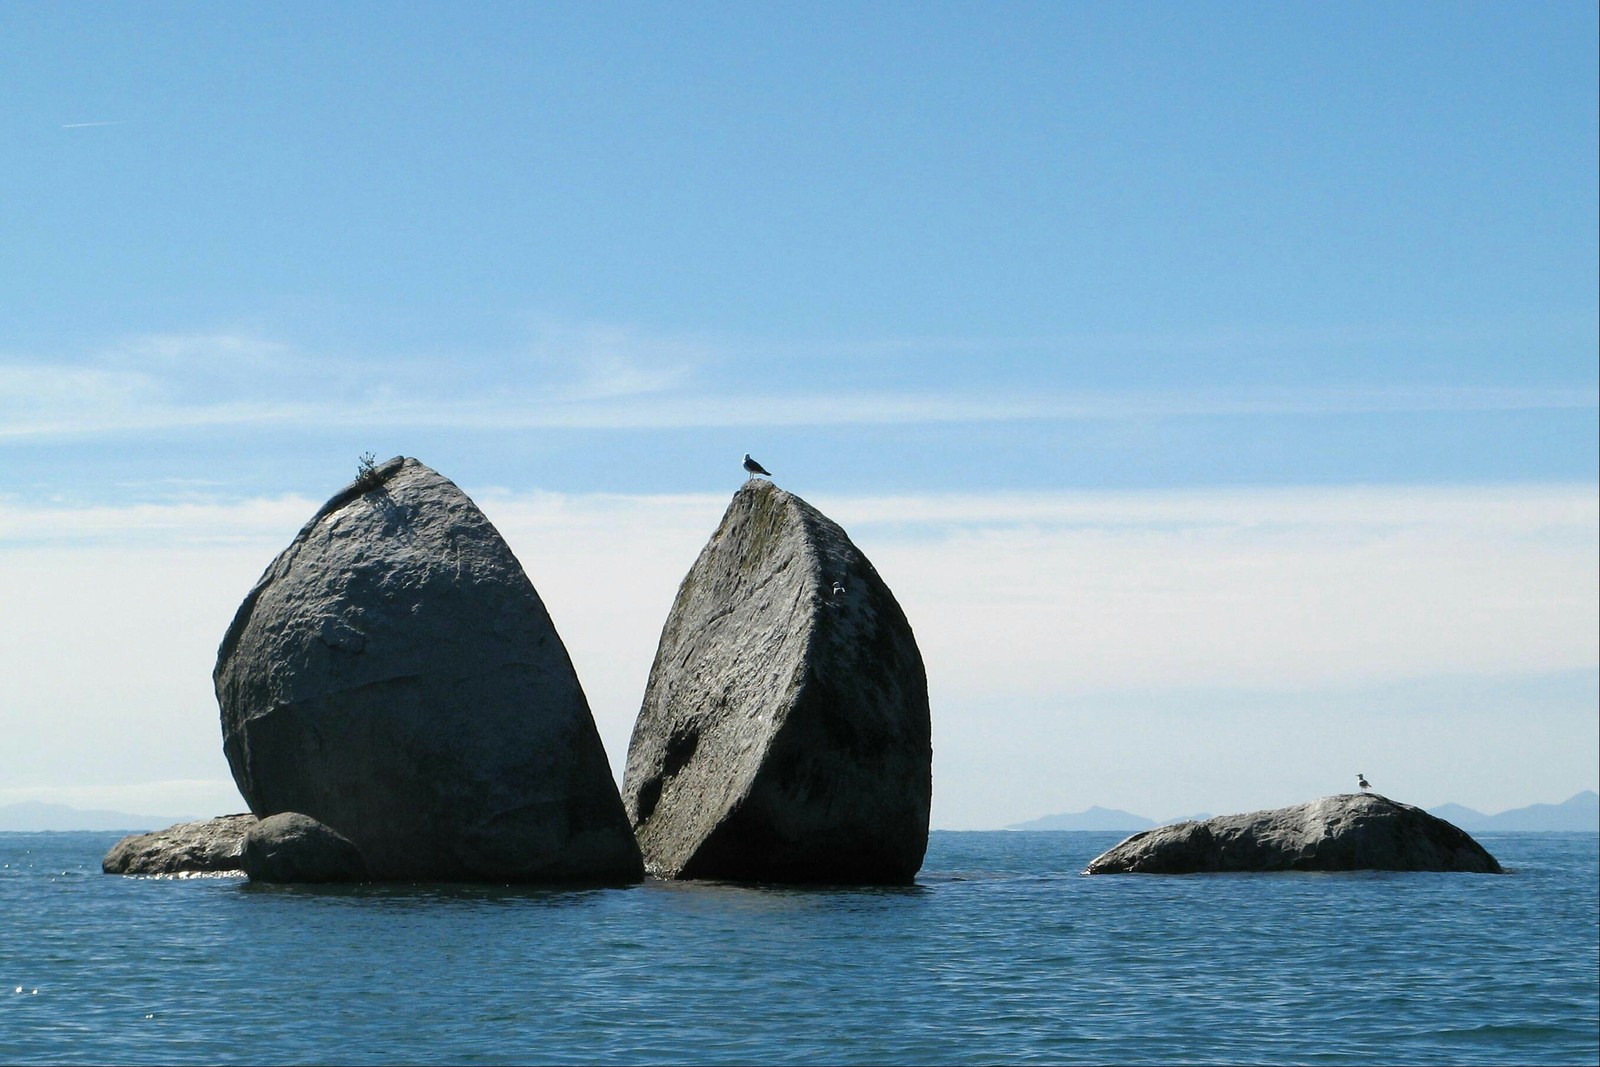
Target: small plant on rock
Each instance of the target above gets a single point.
(367, 472)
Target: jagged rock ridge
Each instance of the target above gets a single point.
(784, 733)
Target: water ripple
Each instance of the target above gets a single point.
(1002, 953)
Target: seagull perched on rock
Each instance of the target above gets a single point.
(1361, 780)
(755, 468)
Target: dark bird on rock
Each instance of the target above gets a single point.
(1361, 780)
(755, 468)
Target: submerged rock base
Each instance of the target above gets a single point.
(204, 847)
(291, 847)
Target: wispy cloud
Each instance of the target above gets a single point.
(1225, 586)
(1506, 508)
(886, 407)
(103, 406)
(173, 798)
(1053, 625)
(260, 521)
(1252, 339)
(600, 379)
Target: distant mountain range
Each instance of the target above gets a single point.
(1581, 813)
(32, 817)
(1098, 818)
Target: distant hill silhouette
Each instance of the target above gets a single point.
(1097, 818)
(1581, 813)
(1092, 819)
(1462, 816)
(33, 816)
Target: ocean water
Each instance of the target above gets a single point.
(1001, 953)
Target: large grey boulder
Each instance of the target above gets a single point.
(204, 847)
(394, 675)
(291, 847)
(784, 734)
(1348, 832)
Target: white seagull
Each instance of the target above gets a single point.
(1361, 780)
(755, 468)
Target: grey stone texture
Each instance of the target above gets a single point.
(395, 676)
(1347, 832)
(784, 734)
(204, 847)
(291, 847)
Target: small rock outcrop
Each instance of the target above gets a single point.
(291, 847)
(784, 734)
(205, 847)
(395, 676)
(1348, 832)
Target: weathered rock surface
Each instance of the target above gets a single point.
(394, 675)
(1348, 832)
(290, 847)
(784, 734)
(203, 847)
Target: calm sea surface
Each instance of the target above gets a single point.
(1002, 953)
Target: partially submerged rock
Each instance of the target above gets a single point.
(204, 847)
(394, 675)
(291, 847)
(784, 734)
(1348, 832)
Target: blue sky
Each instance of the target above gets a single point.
(1301, 295)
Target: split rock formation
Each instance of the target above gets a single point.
(784, 734)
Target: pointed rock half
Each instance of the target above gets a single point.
(784, 734)
(394, 676)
